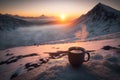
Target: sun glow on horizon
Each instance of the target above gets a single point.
(62, 17)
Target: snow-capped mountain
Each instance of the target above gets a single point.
(100, 20)
(46, 17)
(8, 22)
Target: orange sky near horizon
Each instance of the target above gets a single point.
(34, 8)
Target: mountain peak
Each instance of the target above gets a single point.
(102, 8)
(99, 4)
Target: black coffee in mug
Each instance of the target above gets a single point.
(76, 56)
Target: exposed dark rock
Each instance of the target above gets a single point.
(118, 45)
(27, 65)
(44, 60)
(35, 65)
(13, 76)
(2, 62)
(16, 58)
(31, 66)
(108, 47)
(20, 56)
(57, 54)
(33, 54)
(9, 54)
(11, 60)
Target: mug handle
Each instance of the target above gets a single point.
(88, 57)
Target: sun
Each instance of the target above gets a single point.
(62, 17)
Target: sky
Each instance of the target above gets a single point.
(70, 8)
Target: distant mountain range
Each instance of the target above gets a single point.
(46, 17)
(43, 19)
(39, 17)
(101, 20)
(8, 22)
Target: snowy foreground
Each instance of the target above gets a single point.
(103, 65)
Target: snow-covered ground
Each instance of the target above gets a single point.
(103, 65)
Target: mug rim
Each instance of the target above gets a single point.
(76, 48)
